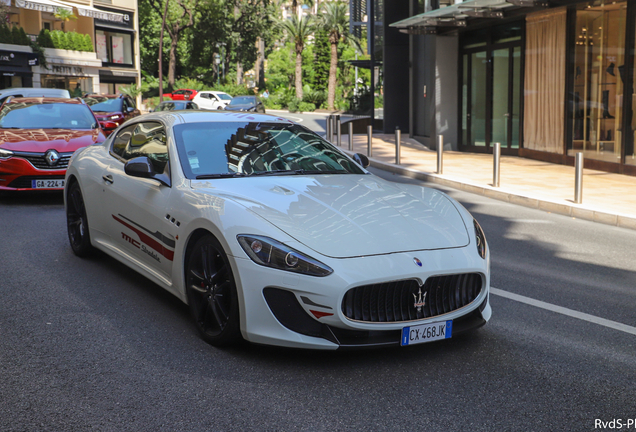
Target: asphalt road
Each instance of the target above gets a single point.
(86, 344)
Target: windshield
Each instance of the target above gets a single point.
(103, 104)
(170, 106)
(227, 149)
(239, 100)
(223, 96)
(46, 116)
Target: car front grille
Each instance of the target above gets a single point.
(38, 160)
(406, 300)
(24, 182)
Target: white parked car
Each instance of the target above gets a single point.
(271, 234)
(212, 100)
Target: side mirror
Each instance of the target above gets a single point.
(139, 167)
(108, 125)
(361, 159)
(130, 109)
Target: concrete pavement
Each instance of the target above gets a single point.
(607, 198)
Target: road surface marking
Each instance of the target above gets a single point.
(564, 311)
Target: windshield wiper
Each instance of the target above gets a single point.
(219, 175)
(296, 172)
(275, 172)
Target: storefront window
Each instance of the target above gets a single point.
(77, 86)
(114, 47)
(599, 74)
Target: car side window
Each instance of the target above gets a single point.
(120, 142)
(129, 103)
(148, 139)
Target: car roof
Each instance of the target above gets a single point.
(43, 100)
(109, 96)
(198, 116)
(213, 91)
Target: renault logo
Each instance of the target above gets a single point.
(51, 157)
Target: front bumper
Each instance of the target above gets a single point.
(16, 174)
(286, 309)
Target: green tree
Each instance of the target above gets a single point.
(335, 22)
(180, 17)
(322, 58)
(298, 30)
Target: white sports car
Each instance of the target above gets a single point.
(270, 233)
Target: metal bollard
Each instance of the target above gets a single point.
(440, 154)
(350, 130)
(578, 179)
(496, 153)
(328, 134)
(398, 142)
(369, 141)
(338, 131)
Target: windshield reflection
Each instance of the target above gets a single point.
(238, 149)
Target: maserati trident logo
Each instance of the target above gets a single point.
(51, 157)
(420, 300)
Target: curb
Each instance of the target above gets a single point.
(575, 211)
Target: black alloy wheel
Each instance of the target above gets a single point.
(77, 222)
(212, 293)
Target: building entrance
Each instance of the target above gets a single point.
(491, 63)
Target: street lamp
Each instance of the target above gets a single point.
(217, 60)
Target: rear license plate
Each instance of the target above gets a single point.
(47, 184)
(427, 333)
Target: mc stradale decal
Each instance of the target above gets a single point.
(156, 241)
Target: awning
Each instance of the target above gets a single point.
(43, 5)
(91, 12)
(52, 6)
(364, 64)
(458, 14)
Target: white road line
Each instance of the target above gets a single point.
(564, 311)
(296, 119)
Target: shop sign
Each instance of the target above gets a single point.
(67, 70)
(7, 58)
(125, 20)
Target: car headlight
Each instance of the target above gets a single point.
(252, 108)
(271, 253)
(481, 239)
(5, 154)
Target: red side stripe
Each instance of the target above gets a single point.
(168, 254)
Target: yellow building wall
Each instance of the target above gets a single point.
(30, 21)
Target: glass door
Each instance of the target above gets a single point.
(491, 91)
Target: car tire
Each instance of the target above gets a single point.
(77, 222)
(220, 108)
(211, 292)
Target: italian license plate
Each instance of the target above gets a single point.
(427, 333)
(47, 184)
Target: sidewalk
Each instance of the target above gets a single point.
(607, 198)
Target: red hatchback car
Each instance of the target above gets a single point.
(38, 136)
(112, 110)
(182, 94)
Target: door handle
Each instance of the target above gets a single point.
(108, 178)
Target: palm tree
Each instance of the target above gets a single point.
(333, 19)
(65, 16)
(298, 30)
